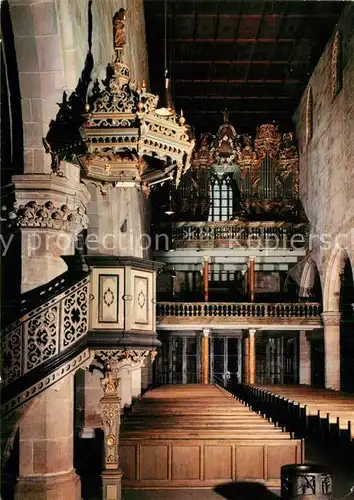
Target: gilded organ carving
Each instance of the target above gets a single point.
(263, 171)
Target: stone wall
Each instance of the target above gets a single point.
(326, 160)
(117, 222)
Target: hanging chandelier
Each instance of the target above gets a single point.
(125, 139)
(166, 106)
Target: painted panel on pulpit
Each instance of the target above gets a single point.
(107, 306)
(108, 293)
(141, 298)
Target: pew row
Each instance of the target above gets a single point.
(304, 409)
(200, 436)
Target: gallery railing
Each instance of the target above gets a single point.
(310, 310)
(236, 233)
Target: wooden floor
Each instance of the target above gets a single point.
(183, 436)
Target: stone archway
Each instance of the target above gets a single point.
(310, 285)
(346, 308)
(311, 347)
(334, 271)
(332, 316)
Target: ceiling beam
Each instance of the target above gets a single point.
(253, 47)
(273, 50)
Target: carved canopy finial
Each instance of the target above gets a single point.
(225, 114)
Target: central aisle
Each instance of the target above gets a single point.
(183, 436)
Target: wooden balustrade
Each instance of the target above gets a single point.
(187, 233)
(232, 309)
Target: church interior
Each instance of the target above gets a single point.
(177, 250)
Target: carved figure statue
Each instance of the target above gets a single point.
(287, 140)
(204, 141)
(288, 149)
(247, 139)
(226, 116)
(248, 149)
(118, 29)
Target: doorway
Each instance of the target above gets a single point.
(225, 360)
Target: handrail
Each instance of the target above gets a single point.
(34, 298)
(242, 309)
(44, 333)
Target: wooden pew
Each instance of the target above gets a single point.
(200, 436)
(306, 407)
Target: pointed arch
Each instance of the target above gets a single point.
(334, 271)
(310, 285)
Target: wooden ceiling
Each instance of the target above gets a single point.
(253, 58)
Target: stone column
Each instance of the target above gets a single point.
(304, 358)
(116, 220)
(205, 356)
(331, 321)
(136, 383)
(145, 375)
(88, 394)
(246, 358)
(49, 211)
(46, 447)
(125, 387)
(110, 409)
(252, 356)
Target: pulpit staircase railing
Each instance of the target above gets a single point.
(44, 338)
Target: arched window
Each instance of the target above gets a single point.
(309, 115)
(221, 198)
(337, 79)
